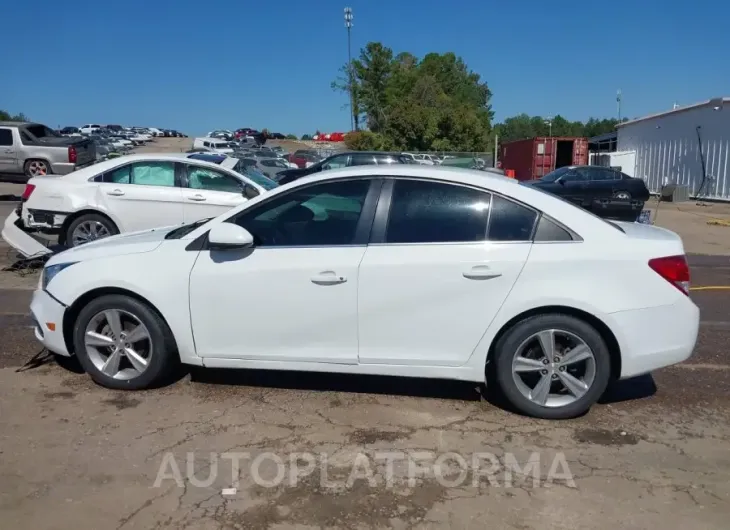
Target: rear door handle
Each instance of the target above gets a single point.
(481, 272)
(328, 278)
(115, 193)
(197, 197)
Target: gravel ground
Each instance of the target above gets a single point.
(654, 454)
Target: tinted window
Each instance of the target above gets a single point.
(432, 212)
(555, 175)
(335, 162)
(6, 137)
(257, 176)
(547, 230)
(386, 159)
(573, 176)
(594, 173)
(322, 215)
(510, 221)
(202, 178)
(362, 160)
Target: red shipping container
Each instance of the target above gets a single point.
(536, 157)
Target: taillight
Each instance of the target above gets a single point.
(27, 191)
(674, 269)
(71, 154)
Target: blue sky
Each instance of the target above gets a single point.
(197, 66)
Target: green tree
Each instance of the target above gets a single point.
(291, 137)
(523, 126)
(306, 137)
(5, 116)
(435, 103)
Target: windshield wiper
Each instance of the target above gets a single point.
(184, 230)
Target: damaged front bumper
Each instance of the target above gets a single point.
(18, 236)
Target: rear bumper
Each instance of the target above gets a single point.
(47, 313)
(656, 337)
(64, 168)
(15, 235)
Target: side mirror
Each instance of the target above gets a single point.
(560, 181)
(225, 236)
(250, 192)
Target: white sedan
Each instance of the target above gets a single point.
(412, 271)
(127, 194)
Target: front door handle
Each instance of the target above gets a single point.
(328, 278)
(481, 272)
(197, 197)
(115, 193)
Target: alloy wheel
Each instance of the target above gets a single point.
(37, 168)
(89, 231)
(118, 344)
(553, 368)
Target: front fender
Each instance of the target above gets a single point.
(148, 276)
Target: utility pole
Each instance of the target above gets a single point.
(348, 25)
(618, 104)
(496, 150)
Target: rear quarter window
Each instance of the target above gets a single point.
(550, 231)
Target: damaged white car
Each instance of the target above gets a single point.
(127, 194)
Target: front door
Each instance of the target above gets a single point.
(142, 195)
(208, 193)
(432, 281)
(293, 296)
(572, 187)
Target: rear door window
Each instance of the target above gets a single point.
(510, 221)
(435, 212)
(6, 137)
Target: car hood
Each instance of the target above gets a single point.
(122, 244)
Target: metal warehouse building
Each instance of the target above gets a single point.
(671, 147)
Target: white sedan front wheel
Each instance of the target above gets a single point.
(122, 343)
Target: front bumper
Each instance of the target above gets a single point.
(17, 236)
(47, 313)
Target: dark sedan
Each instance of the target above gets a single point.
(340, 160)
(602, 190)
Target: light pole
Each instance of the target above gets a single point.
(552, 158)
(348, 25)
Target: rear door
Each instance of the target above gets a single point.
(8, 152)
(208, 192)
(433, 277)
(143, 195)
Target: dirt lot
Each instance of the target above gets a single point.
(654, 454)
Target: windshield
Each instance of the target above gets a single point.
(184, 230)
(255, 175)
(555, 175)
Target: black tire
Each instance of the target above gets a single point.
(67, 236)
(506, 349)
(165, 361)
(36, 162)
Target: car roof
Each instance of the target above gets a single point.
(16, 123)
(93, 170)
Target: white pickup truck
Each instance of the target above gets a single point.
(33, 150)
